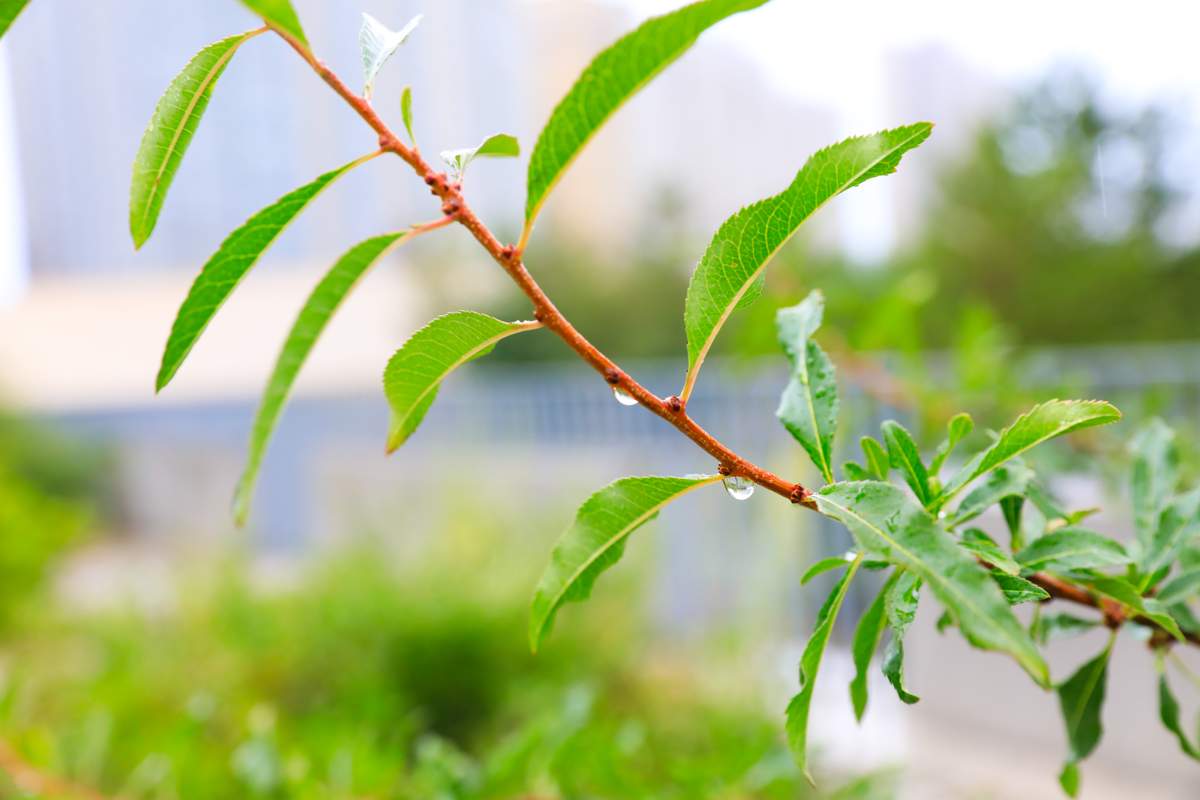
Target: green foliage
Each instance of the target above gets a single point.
(867, 636)
(887, 524)
(1081, 697)
(731, 270)
(9, 9)
(378, 43)
(416, 371)
(900, 609)
(279, 14)
(904, 456)
(499, 145)
(808, 407)
(810, 664)
(1042, 423)
(1072, 549)
(314, 316)
(596, 540)
(226, 268)
(612, 78)
(1168, 712)
(170, 131)
(406, 113)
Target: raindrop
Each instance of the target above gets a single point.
(739, 488)
(623, 397)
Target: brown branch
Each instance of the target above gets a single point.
(671, 409)
(455, 205)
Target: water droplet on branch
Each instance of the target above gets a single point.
(624, 397)
(739, 488)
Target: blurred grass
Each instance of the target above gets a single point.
(375, 676)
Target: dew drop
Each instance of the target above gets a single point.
(623, 397)
(739, 488)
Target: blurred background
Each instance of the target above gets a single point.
(364, 636)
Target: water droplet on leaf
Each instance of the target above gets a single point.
(623, 397)
(739, 488)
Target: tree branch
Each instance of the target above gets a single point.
(671, 409)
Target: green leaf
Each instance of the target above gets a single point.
(877, 460)
(1168, 712)
(406, 113)
(499, 145)
(810, 664)
(1040, 424)
(1126, 594)
(958, 428)
(1081, 698)
(808, 407)
(318, 309)
(900, 606)
(418, 368)
(612, 78)
(983, 547)
(170, 131)
(1008, 481)
(826, 565)
(1068, 779)
(856, 472)
(378, 43)
(1177, 524)
(867, 636)
(1054, 626)
(1072, 548)
(279, 14)
(1155, 474)
(1017, 590)
(735, 260)
(1181, 588)
(596, 540)
(904, 456)
(888, 524)
(226, 268)
(9, 9)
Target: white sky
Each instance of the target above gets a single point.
(1143, 50)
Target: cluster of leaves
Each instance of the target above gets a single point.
(916, 527)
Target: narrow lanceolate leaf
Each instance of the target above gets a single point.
(9, 9)
(904, 456)
(1062, 625)
(1155, 473)
(279, 14)
(867, 636)
(983, 547)
(1017, 590)
(877, 459)
(900, 607)
(170, 131)
(226, 268)
(500, 145)
(1177, 524)
(826, 565)
(417, 369)
(1181, 588)
(406, 113)
(1168, 712)
(731, 268)
(958, 428)
(1081, 698)
(1040, 424)
(318, 309)
(596, 540)
(612, 78)
(378, 43)
(888, 524)
(1124, 592)
(1011, 480)
(810, 664)
(809, 405)
(1072, 548)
